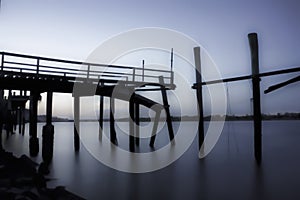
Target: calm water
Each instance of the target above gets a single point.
(229, 171)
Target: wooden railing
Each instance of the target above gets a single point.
(70, 69)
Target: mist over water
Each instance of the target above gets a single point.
(229, 171)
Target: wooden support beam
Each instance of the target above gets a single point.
(167, 108)
(280, 85)
(113, 135)
(154, 129)
(246, 77)
(76, 123)
(33, 141)
(253, 42)
(199, 96)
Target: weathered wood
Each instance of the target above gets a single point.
(154, 129)
(199, 96)
(256, 96)
(246, 77)
(101, 112)
(33, 141)
(76, 123)
(167, 108)
(113, 135)
(131, 123)
(137, 123)
(280, 85)
(49, 108)
(48, 131)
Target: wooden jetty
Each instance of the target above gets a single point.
(35, 74)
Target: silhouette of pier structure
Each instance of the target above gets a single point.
(256, 78)
(34, 74)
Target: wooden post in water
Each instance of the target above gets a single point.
(101, 105)
(76, 123)
(48, 131)
(199, 96)
(131, 123)
(113, 135)
(256, 96)
(33, 141)
(137, 124)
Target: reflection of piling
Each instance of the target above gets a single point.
(33, 141)
(256, 95)
(48, 131)
(76, 122)
(20, 116)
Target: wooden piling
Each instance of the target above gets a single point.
(253, 42)
(137, 124)
(101, 105)
(113, 135)
(197, 58)
(48, 131)
(131, 123)
(33, 141)
(76, 123)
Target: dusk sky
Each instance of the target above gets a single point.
(72, 29)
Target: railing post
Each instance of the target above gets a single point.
(37, 66)
(172, 78)
(88, 71)
(172, 73)
(143, 72)
(133, 75)
(2, 61)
